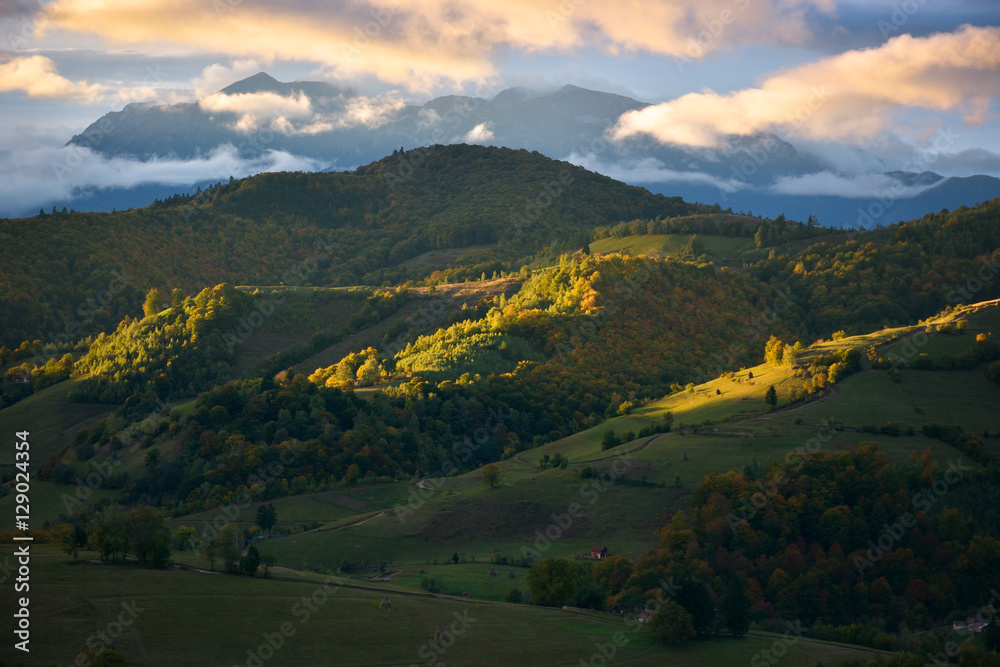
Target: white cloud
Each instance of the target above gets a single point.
(32, 178)
(851, 97)
(216, 77)
(480, 134)
(864, 186)
(257, 109)
(652, 170)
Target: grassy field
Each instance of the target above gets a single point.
(186, 618)
(713, 432)
(672, 245)
(50, 419)
(440, 257)
(298, 317)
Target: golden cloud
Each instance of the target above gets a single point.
(37, 76)
(423, 43)
(849, 97)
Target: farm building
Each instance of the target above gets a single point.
(598, 552)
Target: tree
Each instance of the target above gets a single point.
(250, 562)
(149, 536)
(491, 475)
(183, 536)
(267, 516)
(100, 657)
(774, 351)
(553, 581)
(454, 558)
(771, 398)
(73, 537)
(736, 607)
(177, 299)
(155, 300)
(230, 541)
(369, 372)
(609, 440)
(992, 634)
(672, 624)
(694, 248)
(588, 595)
(210, 548)
(106, 533)
(612, 573)
(267, 561)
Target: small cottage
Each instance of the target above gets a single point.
(598, 553)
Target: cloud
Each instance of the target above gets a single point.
(297, 113)
(968, 163)
(425, 43)
(216, 77)
(652, 170)
(34, 178)
(480, 134)
(866, 186)
(851, 97)
(38, 78)
(257, 109)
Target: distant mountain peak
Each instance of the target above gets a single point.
(259, 82)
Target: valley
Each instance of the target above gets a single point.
(367, 393)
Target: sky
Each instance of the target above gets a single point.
(841, 77)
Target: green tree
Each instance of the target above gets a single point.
(736, 607)
(553, 581)
(177, 299)
(672, 624)
(694, 248)
(609, 440)
(250, 562)
(210, 548)
(155, 301)
(267, 561)
(182, 537)
(992, 634)
(100, 657)
(107, 533)
(267, 516)
(771, 398)
(149, 536)
(588, 594)
(230, 540)
(491, 475)
(993, 372)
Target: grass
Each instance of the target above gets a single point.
(51, 420)
(440, 257)
(191, 619)
(672, 245)
(712, 433)
(300, 315)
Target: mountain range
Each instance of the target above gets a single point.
(339, 129)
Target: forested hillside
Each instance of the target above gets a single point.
(63, 271)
